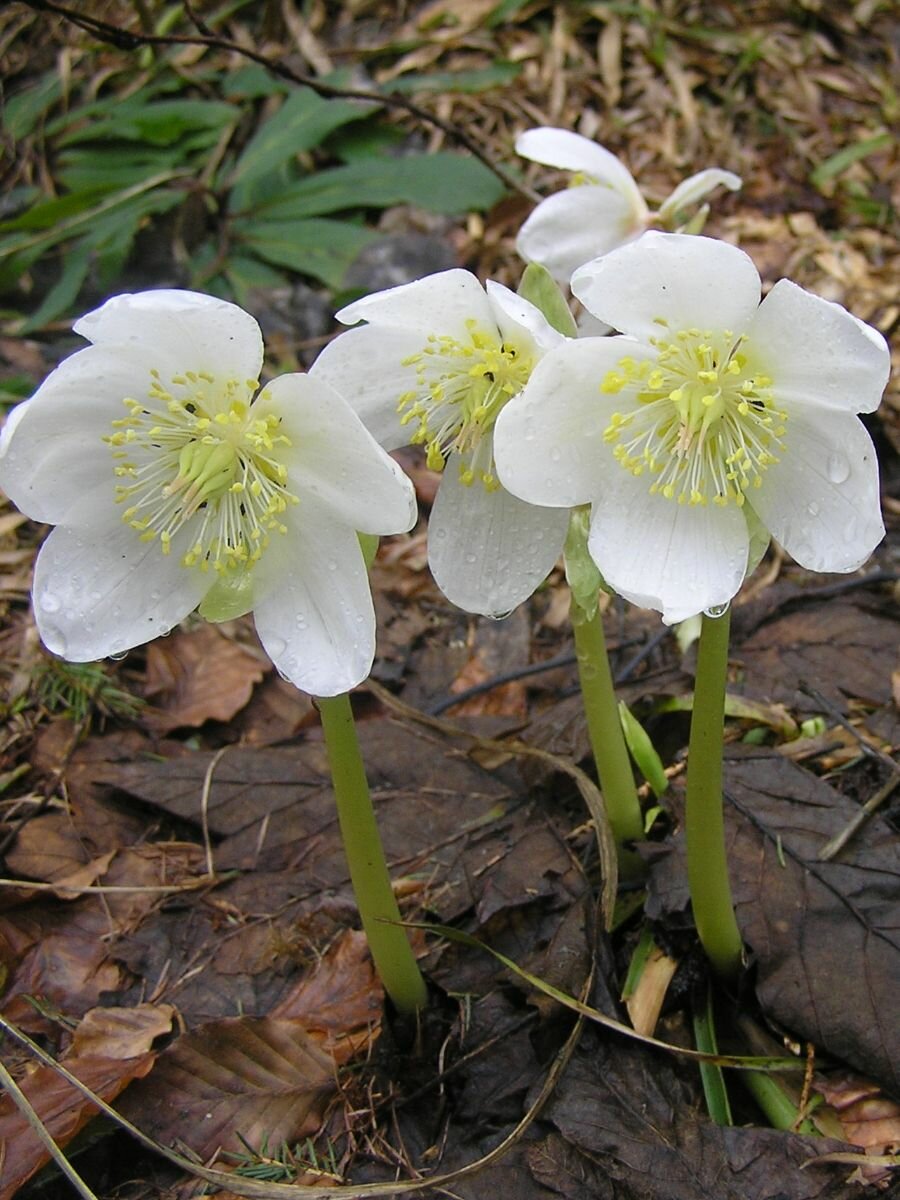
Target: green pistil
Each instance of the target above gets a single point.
(460, 388)
(194, 452)
(701, 424)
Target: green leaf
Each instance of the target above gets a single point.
(301, 123)
(63, 293)
(319, 248)
(161, 122)
(711, 1076)
(481, 79)
(22, 112)
(643, 751)
(540, 288)
(582, 575)
(251, 83)
(442, 182)
(244, 275)
(838, 163)
(109, 168)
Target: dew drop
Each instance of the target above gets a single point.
(716, 610)
(49, 603)
(118, 656)
(276, 646)
(837, 468)
(471, 558)
(555, 454)
(812, 508)
(332, 564)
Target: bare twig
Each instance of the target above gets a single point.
(126, 39)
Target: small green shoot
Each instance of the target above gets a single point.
(77, 689)
(711, 1076)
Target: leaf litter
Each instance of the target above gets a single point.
(235, 984)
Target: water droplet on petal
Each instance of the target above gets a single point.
(48, 602)
(812, 508)
(555, 454)
(276, 646)
(716, 610)
(332, 564)
(837, 468)
(471, 558)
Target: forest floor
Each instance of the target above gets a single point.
(176, 921)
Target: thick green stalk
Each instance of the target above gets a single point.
(388, 941)
(604, 727)
(706, 860)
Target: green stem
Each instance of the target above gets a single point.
(706, 860)
(388, 941)
(604, 727)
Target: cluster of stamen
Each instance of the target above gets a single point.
(460, 388)
(193, 451)
(703, 425)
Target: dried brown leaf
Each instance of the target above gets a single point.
(263, 1078)
(61, 1107)
(198, 676)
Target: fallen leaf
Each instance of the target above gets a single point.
(62, 1108)
(631, 1129)
(824, 935)
(198, 676)
(263, 1078)
(120, 1032)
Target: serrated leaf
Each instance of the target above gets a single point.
(318, 247)
(301, 123)
(443, 182)
(160, 122)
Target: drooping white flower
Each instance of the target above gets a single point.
(434, 365)
(712, 410)
(602, 209)
(173, 484)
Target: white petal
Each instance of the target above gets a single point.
(685, 280)
(488, 551)
(821, 501)
(548, 440)
(366, 367)
(519, 321)
(440, 303)
(99, 590)
(679, 559)
(695, 187)
(816, 352)
(335, 459)
(52, 450)
(314, 615)
(576, 225)
(187, 330)
(572, 152)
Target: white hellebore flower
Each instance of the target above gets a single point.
(713, 412)
(170, 487)
(436, 363)
(602, 209)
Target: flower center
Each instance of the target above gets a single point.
(702, 424)
(461, 386)
(194, 452)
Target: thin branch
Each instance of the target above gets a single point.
(125, 39)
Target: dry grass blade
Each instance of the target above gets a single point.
(254, 1190)
(37, 1126)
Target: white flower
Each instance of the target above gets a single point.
(602, 209)
(711, 411)
(436, 363)
(170, 487)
